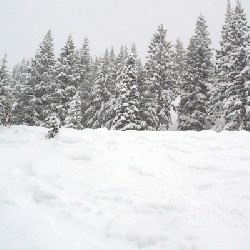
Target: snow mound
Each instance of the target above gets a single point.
(111, 190)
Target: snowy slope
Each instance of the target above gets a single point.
(99, 189)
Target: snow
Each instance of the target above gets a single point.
(112, 190)
(174, 114)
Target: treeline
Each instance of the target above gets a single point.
(119, 92)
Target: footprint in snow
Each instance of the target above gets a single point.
(41, 196)
(81, 158)
(204, 187)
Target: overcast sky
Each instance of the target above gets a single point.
(23, 23)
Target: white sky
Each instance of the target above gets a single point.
(23, 23)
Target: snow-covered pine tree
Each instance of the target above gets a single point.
(133, 50)
(245, 76)
(144, 101)
(112, 71)
(217, 94)
(67, 77)
(120, 62)
(179, 65)
(138, 62)
(5, 102)
(115, 68)
(116, 65)
(126, 53)
(121, 58)
(105, 69)
(99, 96)
(84, 71)
(127, 110)
(4, 74)
(95, 66)
(141, 75)
(225, 43)
(24, 95)
(44, 78)
(74, 118)
(112, 89)
(160, 81)
(53, 123)
(236, 92)
(194, 94)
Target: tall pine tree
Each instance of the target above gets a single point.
(99, 95)
(43, 75)
(67, 77)
(236, 92)
(197, 78)
(179, 65)
(24, 95)
(127, 110)
(217, 95)
(84, 71)
(160, 81)
(5, 102)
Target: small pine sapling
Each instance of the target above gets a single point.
(53, 123)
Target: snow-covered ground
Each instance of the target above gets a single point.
(99, 189)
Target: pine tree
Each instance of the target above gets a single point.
(84, 71)
(121, 58)
(99, 96)
(126, 54)
(4, 74)
(138, 62)
(112, 89)
(44, 79)
(67, 77)
(160, 81)
(236, 86)
(197, 78)
(112, 71)
(127, 111)
(53, 123)
(5, 102)
(225, 43)
(179, 65)
(217, 95)
(116, 65)
(120, 62)
(24, 95)
(133, 51)
(245, 76)
(141, 76)
(74, 118)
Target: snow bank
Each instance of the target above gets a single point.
(99, 189)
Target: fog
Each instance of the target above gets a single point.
(23, 23)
